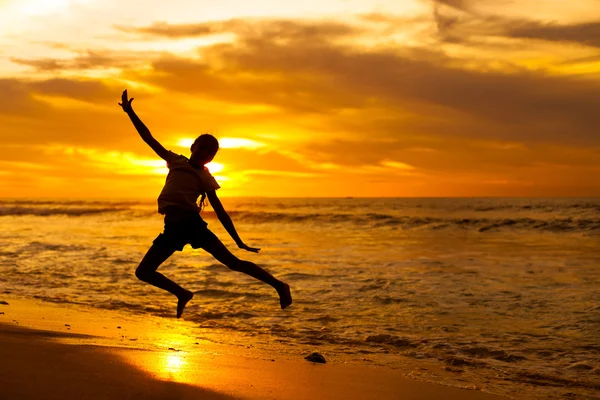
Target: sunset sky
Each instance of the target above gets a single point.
(310, 98)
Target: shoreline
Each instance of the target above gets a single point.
(70, 352)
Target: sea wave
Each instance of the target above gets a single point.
(57, 210)
(372, 220)
(543, 207)
(30, 202)
(415, 222)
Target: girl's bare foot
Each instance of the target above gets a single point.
(285, 296)
(182, 301)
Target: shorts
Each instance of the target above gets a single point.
(184, 227)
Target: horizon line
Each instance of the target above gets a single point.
(300, 197)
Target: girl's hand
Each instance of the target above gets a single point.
(126, 103)
(248, 248)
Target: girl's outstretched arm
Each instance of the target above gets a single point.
(141, 128)
(226, 221)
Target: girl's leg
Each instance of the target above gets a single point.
(218, 250)
(146, 272)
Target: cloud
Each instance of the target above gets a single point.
(462, 27)
(333, 102)
(587, 34)
(87, 60)
(451, 155)
(304, 71)
(84, 90)
(68, 111)
(241, 159)
(58, 160)
(19, 95)
(164, 29)
(445, 25)
(462, 5)
(322, 77)
(274, 172)
(277, 29)
(17, 99)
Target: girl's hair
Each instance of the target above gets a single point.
(212, 144)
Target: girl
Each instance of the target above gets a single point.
(186, 181)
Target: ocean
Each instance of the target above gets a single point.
(501, 295)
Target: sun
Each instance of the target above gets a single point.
(226, 143)
(215, 167)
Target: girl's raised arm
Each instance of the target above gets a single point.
(143, 129)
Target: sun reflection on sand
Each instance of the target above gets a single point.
(173, 363)
(169, 366)
(191, 367)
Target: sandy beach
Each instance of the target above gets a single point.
(52, 352)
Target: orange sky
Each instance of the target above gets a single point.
(311, 98)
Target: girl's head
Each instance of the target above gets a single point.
(204, 149)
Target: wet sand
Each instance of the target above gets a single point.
(51, 352)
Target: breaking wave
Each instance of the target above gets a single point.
(412, 222)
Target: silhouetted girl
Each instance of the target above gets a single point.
(187, 180)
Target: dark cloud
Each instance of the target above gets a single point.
(450, 155)
(321, 77)
(386, 101)
(83, 90)
(287, 90)
(29, 114)
(87, 60)
(587, 34)
(17, 99)
(462, 5)
(42, 121)
(463, 27)
(41, 64)
(173, 31)
(445, 25)
(276, 29)
(19, 95)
